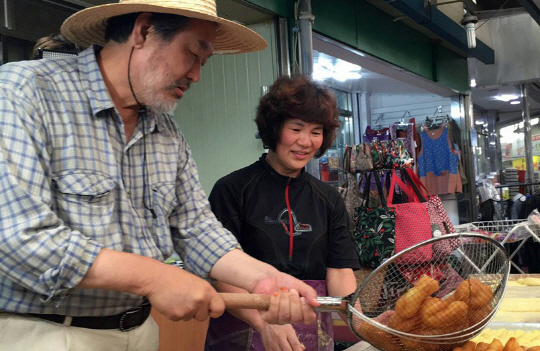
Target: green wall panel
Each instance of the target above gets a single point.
(392, 41)
(216, 115)
(369, 29)
(451, 70)
(283, 8)
(336, 19)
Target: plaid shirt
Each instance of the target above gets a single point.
(71, 185)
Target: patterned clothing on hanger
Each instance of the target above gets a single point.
(405, 135)
(437, 163)
(379, 134)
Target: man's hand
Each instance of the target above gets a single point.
(180, 295)
(286, 306)
(174, 292)
(280, 338)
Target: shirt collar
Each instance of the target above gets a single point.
(98, 94)
(298, 180)
(93, 82)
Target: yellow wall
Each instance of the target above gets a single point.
(520, 163)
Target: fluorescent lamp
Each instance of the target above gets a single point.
(515, 102)
(469, 22)
(340, 71)
(506, 97)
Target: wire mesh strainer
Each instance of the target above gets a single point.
(432, 296)
(418, 302)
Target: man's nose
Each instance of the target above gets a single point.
(194, 73)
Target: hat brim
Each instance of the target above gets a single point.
(87, 27)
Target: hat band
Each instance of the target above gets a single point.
(201, 6)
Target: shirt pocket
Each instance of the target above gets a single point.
(164, 202)
(164, 196)
(85, 200)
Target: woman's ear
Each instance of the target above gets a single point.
(141, 29)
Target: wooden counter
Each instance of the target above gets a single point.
(529, 319)
(180, 336)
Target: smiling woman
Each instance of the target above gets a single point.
(298, 144)
(285, 217)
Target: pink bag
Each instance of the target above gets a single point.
(413, 224)
(440, 222)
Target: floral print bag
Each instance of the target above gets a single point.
(364, 160)
(374, 227)
(397, 155)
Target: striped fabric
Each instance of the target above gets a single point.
(71, 185)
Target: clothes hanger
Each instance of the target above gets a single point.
(378, 121)
(402, 125)
(436, 120)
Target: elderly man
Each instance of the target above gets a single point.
(99, 186)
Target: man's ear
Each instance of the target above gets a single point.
(141, 29)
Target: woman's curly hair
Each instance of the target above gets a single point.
(297, 97)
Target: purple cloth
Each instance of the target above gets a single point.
(408, 140)
(228, 333)
(379, 134)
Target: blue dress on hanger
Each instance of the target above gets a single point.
(437, 163)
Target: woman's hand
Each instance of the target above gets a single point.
(286, 306)
(280, 338)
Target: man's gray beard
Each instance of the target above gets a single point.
(163, 107)
(157, 105)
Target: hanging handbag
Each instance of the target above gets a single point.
(347, 159)
(374, 228)
(397, 155)
(404, 157)
(440, 222)
(412, 224)
(351, 195)
(352, 162)
(378, 154)
(364, 160)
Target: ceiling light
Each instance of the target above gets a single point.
(469, 22)
(473, 83)
(341, 71)
(515, 102)
(342, 76)
(506, 97)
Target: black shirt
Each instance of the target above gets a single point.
(251, 203)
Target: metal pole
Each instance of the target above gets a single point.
(8, 23)
(283, 47)
(305, 25)
(305, 29)
(470, 141)
(527, 135)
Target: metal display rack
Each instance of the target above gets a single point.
(505, 231)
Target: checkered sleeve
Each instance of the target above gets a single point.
(199, 237)
(38, 252)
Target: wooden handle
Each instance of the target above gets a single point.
(250, 301)
(262, 302)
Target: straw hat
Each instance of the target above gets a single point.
(87, 26)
